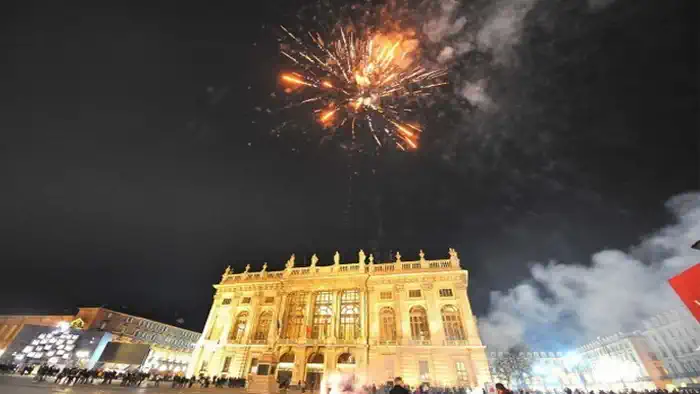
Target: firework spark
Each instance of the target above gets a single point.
(361, 79)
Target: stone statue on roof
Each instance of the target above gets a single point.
(453, 254)
(264, 267)
(361, 257)
(314, 260)
(336, 258)
(247, 268)
(290, 262)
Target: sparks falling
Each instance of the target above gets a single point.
(356, 81)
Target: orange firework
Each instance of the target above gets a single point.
(363, 79)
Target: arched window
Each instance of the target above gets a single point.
(454, 331)
(238, 329)
(287, 358)
(316, 358)
(346, 358)
(419, 324)
(323, 313)
(294, 319)
(387, 325)
(349, 315)
(263, 327)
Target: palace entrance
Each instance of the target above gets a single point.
(314, 372)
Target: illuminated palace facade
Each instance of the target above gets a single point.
(377, 320)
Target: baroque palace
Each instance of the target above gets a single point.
(376, 320)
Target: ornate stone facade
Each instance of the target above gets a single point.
(402, 318)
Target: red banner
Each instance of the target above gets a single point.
(687, 286)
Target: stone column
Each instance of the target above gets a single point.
(226, 314)
(277, 316)
(208, 326)
(437, 331)
(335, 318)
(308, 315)
(363, 315)
(252, 317)
(468, 320)
(402, 316)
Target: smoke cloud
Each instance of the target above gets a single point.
(614, 293)
(495, 31)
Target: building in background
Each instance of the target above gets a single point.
(547, 371)
(402, 318)
(617, 362)
(11, 325)
(60, 346)
(168, 348)
(674, 337)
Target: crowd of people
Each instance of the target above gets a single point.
(80, 376)
(77, 376)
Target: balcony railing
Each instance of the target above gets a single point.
(455, 342)
(389, 267)
(384, 342)
(418, 342)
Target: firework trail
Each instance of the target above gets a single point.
(360, 78)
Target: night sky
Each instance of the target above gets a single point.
(134, 167)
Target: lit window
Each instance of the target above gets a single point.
(454, 331)
(419, 323)
(238, 329)
(245, 300)
(349, 315)
(296, 303)
(414, 293)
(386, 295)
(462, 374)
(423, 370)
(323, 314)
(446, 293)
(226, 301)
(263, 326)
(227, 364)
(387, 329)
(269, 300)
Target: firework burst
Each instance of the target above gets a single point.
(360, 80)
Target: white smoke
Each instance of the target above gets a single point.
(503, 28)
(476, 94)
(613, 294)
(497, 33)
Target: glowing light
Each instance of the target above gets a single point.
(82, 354)
(294, 80)
(63, 326)
(367, 76)
(326, 116)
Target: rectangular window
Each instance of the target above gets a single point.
(414, 293)
(323, 314)
(269, 300)
(446, 293)
(423, 370)
(227, 364)
(245, 300)
(462, 375)
(226, 301)
(386, 295)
